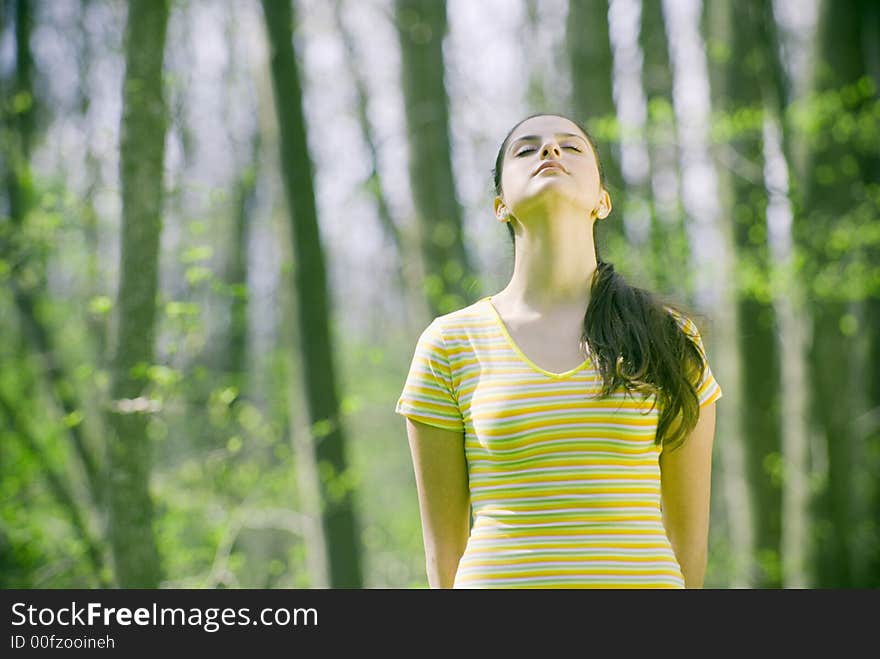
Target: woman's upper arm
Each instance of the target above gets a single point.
(442, 481)
(444, 498)
(685, 480)
(686, 470)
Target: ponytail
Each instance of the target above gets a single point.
(637, 343)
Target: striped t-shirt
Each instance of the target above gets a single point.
(564, 487)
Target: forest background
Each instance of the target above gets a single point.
(223, 225)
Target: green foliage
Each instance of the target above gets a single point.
(229, 509)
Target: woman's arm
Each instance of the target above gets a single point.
(444, 498)
(685, 488)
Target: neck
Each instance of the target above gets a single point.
(555, 262)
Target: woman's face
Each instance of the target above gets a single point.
(576, 181)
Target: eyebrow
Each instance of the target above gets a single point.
(537, 137)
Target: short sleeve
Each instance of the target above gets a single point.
(428, 395)
(708, 389)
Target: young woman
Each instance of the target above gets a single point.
(571, 413)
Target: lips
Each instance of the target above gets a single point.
(548, 164)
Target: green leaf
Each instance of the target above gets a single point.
(197, 253)
(100, 305)
(197, 274)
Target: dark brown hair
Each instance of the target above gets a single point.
(634, 337)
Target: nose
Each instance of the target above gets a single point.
(550, 148)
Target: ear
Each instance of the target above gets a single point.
(501, 211)
(604, 206)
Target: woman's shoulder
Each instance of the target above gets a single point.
(690, 328)
(683, 319)
(461, 318)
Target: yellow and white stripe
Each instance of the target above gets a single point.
(565, 488)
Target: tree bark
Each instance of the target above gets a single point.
(310, 282)
(737, 85)
(669, 243)
(793, 317)
(142, 151)
(713, 266)
(589, 51)
(838, 171)
(374, 186)
(28, 270)
(449, 282)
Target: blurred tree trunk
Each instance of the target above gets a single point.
(26, 256)
(871, 420)
(27, 280)
(793, 316)
(737, 71)
(98, 322)
(234, 358)
(669, 243)
(373, 184)
(449, 280)
(589, 52)
(536, 98)
(142, 151)
(868, 423)
(338, 510)
(712, 268)
(670, 256)
(837, 185)
(295, 417)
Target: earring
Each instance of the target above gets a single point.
(505, 213)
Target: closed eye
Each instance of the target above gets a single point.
(524, 151)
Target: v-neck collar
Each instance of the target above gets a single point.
(501, 326)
